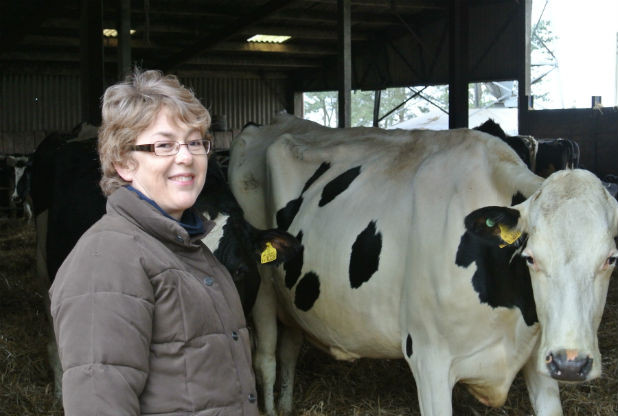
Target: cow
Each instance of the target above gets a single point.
(17, 168)
(439, 247)
(542, 156)
(21, 189)
(556, 154)
(68, 201)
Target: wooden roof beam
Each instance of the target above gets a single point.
(208, 41)
(265, 63)
(412, 5)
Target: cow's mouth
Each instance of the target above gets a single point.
(568, 365)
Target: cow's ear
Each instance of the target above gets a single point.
(275, 246)
(496, 225)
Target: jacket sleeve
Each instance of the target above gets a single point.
(102, 310)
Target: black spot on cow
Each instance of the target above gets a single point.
(307, 291)
(518, 198)
(338, 185)
(286, 215)
(365, 257)
(498, 280)
(319, 172)
(409, 345)
(293, 267)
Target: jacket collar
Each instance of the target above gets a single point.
(190, 220)
(149, 218)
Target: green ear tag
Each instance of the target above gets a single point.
(269, 254)
(489, 222)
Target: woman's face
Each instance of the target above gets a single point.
(173, 182)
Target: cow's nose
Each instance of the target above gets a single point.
(568, 365)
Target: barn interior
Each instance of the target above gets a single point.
(56, 61)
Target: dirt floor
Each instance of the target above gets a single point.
(324, 386)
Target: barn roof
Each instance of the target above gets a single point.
(210, 36)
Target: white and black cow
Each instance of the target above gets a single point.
(68, 201)
(18, 169)
(440, 247)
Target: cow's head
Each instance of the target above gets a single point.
(566, 234)
(238, 245)
(21, 177)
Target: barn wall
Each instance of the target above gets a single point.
(239, 100)
(33, 105)
(595, 130)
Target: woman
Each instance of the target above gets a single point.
(147, 320)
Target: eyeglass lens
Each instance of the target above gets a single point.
(196, 147)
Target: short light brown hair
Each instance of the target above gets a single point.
(131, 106)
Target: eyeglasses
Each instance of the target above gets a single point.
(171, 147)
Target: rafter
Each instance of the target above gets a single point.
(207, 41)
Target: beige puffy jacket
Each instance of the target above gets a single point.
(148, 321)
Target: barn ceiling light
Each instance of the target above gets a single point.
(268, 38)
(113, 33)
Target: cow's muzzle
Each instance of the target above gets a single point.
(568, 365)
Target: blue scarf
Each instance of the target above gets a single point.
(190, 220)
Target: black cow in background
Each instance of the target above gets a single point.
(543, 156)
(77, 201)
(68, 200)
(54, 170)
(556, 154)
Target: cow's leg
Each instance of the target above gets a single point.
(264, 315)
(28, 213)
(42, 277)
(433, 383)
(291, 340)
(543, 390)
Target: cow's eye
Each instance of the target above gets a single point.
(529, 259)
(240, 272)
(611, 260)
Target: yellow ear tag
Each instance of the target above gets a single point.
(508, 235)
(269, 254)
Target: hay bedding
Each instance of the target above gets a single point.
(324, 386)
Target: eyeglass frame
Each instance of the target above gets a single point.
(150, 147)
